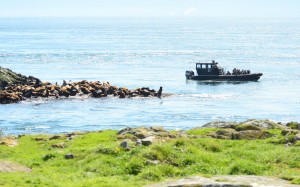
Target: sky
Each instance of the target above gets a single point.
(151, 8)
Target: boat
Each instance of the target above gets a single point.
(212, 71)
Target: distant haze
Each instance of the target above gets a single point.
(151, 8)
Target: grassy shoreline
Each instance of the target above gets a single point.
(99, 160)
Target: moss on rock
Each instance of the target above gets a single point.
(9, 77)
(244, 127)
(293, 125)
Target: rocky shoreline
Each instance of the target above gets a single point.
(252, 129)
(226, 153)
(288, 134)
(16, 87)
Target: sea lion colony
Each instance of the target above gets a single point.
(36, 89)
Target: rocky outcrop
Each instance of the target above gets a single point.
(8, 77)
(251, 123)
(220, 124)
(37, 89)
(293, 125)
(228, 181)
(248, 130)
(147, 136)
(253, 130)
(16, 87)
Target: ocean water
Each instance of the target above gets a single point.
(151, 52)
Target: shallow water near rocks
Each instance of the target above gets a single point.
(142, 52)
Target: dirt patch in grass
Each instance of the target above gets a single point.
(6, 166)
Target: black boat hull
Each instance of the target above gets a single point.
(241, 77)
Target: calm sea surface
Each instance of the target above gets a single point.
(143, 52)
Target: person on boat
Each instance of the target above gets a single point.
(234, 72)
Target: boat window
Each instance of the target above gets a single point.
(209, 67)
(198, 65)
(203, 66)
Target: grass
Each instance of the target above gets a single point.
(99, 160)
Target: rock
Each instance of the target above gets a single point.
(8, 77)
(253, 135)
(55, 137)
(293, 125)
(39, 139)
(8, 141)
(6, 166)
(152, 162)
(220, 124)
(263, 124)
(124, 145)
(231, 134)
(147, 135)
(148, 141)
(226, 181)
(251, 124)
(289, 144)
(244, 127)
(72, 135)
(138, 142)
(69, 156)
(48, 156)
(20, 136)
(59, 145)
(289, 131)
(297, 137)
(158, 129)
(226, 133)
(139, 133)
(125, 130)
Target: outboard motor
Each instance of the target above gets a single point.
(189, 74)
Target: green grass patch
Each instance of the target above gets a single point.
(99, 160)
(201, 131)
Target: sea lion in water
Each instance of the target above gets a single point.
(159, 92)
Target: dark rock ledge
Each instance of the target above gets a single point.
(16, 87)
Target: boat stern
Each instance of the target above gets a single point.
(189, 74)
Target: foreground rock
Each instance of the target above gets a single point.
(247, 130)
(252, 123)
(253, 130)
(6, 166)
(228, 181)
(147, 136)
(9, 141)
